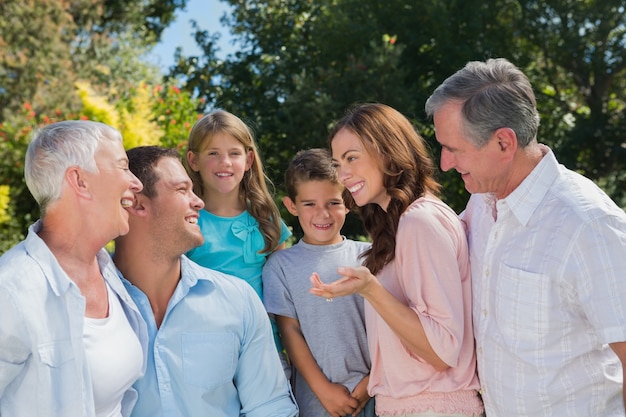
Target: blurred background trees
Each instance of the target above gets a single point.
(63, 59)
(301, 63)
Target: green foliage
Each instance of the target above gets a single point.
(35, 55)
(175, 112)
(96, 107)
(145, 115)
(303, 62)
(20, 207)
(48, 45)
(4, 204)
(66, 60)
(579, 68)
(145, 18)
(11, 231)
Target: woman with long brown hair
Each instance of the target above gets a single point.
(416, 276)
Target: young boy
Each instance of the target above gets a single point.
(325, 340)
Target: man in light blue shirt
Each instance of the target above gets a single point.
(211, 350)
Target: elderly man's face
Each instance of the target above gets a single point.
(480, 168)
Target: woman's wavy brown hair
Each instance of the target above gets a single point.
(408, 172)
(254, 189)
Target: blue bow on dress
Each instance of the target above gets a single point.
(252, 240)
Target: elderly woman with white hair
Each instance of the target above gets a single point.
(72, 342)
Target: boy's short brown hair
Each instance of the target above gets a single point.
(312, 165)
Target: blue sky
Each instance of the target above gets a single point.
(207, 14)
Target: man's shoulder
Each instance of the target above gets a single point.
(582, 197)
(219, 279)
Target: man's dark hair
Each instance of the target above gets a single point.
(141, 161)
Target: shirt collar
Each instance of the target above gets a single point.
(37, 249)
(525, 199)
(189, 275)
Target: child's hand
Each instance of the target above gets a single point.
(337, 400)
(360, 394)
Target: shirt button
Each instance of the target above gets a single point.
(484, 313)
(486, 272)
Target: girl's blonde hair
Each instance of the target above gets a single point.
(254, 189)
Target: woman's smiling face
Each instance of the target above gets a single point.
(358, 170)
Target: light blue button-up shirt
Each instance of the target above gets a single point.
(42, 356)
(213, 354)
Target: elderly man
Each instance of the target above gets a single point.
(211, 351)
(547, 249)
(72, 341)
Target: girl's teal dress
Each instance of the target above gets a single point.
(232, 245)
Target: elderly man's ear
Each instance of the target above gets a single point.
(507, 142)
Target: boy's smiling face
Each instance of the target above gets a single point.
(320, 210)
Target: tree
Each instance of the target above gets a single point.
(48, 45)
(33, 49)
(303, 62)
(77, 59)
(145, 115)
(579, 70)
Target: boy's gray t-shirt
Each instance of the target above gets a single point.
(334, 331)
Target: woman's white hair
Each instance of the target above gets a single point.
(56, 147)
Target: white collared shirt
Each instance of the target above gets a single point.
(549, 294)
(43, 371)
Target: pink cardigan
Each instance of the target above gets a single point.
(431, 274)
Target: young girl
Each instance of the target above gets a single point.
(240, 222)
(416, 278)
